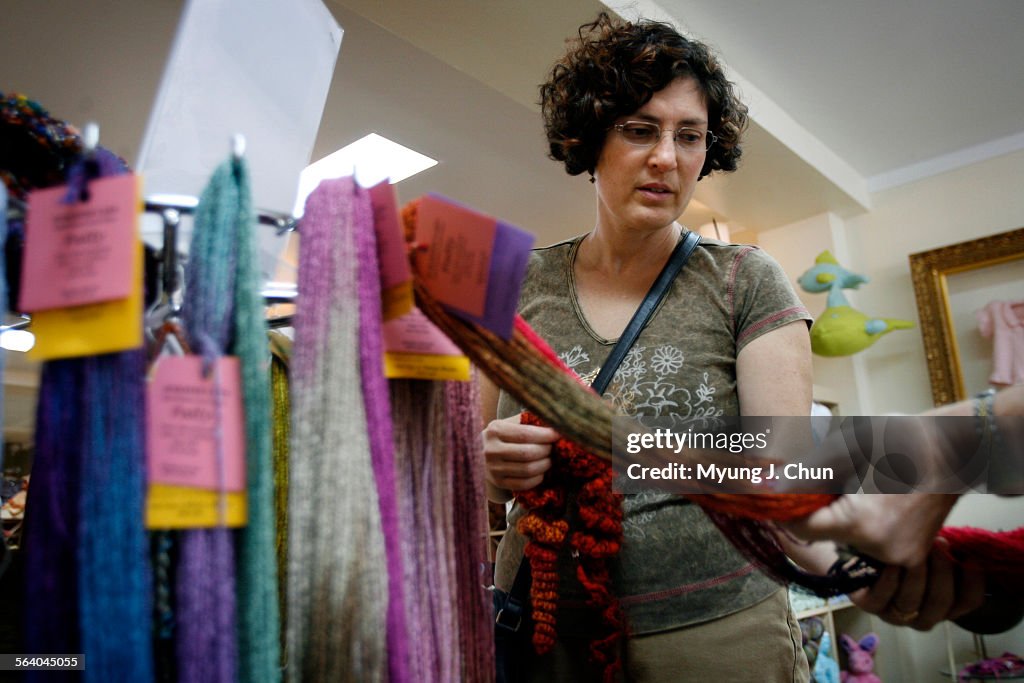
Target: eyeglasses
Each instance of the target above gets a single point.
(647, 134)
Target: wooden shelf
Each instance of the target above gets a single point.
(823, 609)
(828, 613)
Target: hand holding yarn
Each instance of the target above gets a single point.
(925, 594)
(896, 529)
(517, 455)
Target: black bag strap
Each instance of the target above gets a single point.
(511, 616)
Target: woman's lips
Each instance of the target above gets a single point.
(658, 192)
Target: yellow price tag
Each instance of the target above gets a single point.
(426, 366)
(180, 507)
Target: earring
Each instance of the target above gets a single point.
(591, 177)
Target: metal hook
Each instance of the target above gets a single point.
(90, 138)
(170, 285)
(238, 145)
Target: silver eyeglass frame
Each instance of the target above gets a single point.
(709, 137)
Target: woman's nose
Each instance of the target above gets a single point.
(663, 154)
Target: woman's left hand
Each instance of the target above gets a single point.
(925, 594)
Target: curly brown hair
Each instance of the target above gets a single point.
(613, 69)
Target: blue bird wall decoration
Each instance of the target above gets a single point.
(842, 330)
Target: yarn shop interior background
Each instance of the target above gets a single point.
(456, 81)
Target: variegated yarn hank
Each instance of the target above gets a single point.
(337, 567)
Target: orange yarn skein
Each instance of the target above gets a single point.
(595, 544)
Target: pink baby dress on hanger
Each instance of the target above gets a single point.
(1003, 321)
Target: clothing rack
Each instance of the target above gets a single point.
(15, 206)
(171, 208)
(16, 211)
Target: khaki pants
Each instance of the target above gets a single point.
(760, 644)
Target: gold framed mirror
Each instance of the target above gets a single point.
(950, 283)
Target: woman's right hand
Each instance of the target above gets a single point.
(516, 455)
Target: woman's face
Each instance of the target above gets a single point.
(647, 188)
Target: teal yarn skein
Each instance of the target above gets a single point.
(257, 592)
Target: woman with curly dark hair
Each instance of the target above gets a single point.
(647, 113)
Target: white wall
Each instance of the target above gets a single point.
(795, 246)
(964, 204)
(975, 201)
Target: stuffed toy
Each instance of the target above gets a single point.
(860, 659)
(826, 669)
(842, 330)
(811, 630)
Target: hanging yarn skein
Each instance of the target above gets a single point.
(439, 497)
(51, 532)
(378, 422)
(474, 604)
(280, 399)
(223, 312)
(257, 596)
(207, 620)
(440, 487)
(425, 496)
(587, 480)
(337, 564)
(85, 542)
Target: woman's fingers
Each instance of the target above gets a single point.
(970, 594)
(517, 455)
(511, 430)
(941, 593)
(894, 528)
(924, 595)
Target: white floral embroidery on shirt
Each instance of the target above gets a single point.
(704, 409)
(666, 359)
(705, 392)
(635, 392)
(574, 357)
(643, 384)
(633, 364)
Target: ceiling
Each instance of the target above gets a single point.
(847, 99)
(884, 84)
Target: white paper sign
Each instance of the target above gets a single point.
(261, 68)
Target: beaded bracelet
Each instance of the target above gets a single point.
(984, 414)
(984, 403)
(987, 429)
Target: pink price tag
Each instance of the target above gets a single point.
(195, 425)
(79, 253)
(456, 264)
(394, 263)
(472, 263)
(414, 333)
